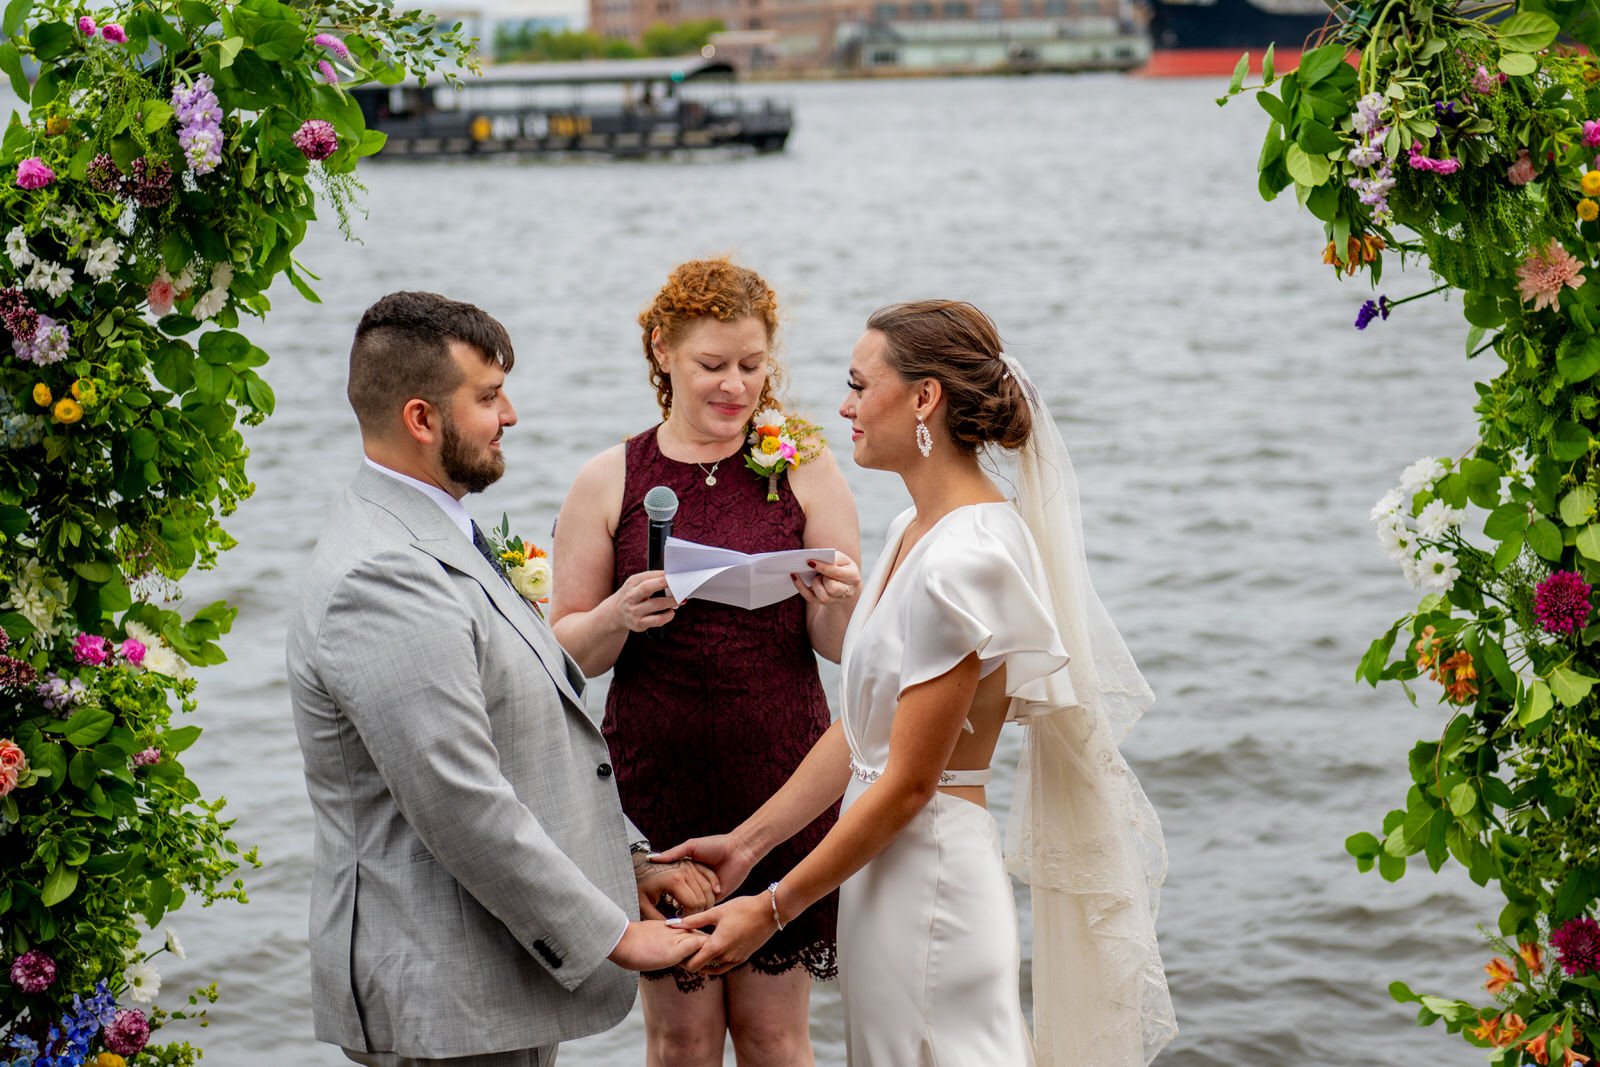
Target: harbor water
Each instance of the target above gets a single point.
(1230, 430)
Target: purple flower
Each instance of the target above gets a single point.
(200, 119)
(147, 757)
(150, 184)
(34, 173)
(16, 674)
(59, 694)
(332, 44)
(5, 639)
(317, 139)
(103, 175)
(114, 33)
(1372, 309)
(133, 651)
(49, 343)
(328, 72)
(1373, 191)
(127, 1032)
(1577, 945)
(33, 972)
(86, 26)
(1561, 602)
(1445, 112)
(91, 650)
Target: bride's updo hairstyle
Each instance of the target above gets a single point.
(958, 346)
(716, 289)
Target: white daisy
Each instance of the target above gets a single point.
(175, 946)
(1437, 570)
(17, 248)
(59, 281)
(1399, 541)
(144, 982)
(1438, 517)
(1413, 576)
(161, 659)
(1387, 504)
(1421, 475)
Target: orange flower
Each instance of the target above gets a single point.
(1427, 648)
(1330, 255)
(1460, 687)
(1487, 1029)
(1500, 975)
(1536, 1049)
(1511, 1027)
(769, 431)
(1533, 956)
(534, 551)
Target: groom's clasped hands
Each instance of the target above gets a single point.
(726, 933)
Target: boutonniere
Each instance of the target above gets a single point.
(525, 564)
(778, 442)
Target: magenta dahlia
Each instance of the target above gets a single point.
(127, 1032)
(317, 139)
(1577, 945)
(32, 972)
(1561, 602)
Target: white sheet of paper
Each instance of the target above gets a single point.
(724, 576)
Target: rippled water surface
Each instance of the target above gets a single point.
(1229, 426)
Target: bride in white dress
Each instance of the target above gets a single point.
(978, 613)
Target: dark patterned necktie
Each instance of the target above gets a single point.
(481, 543)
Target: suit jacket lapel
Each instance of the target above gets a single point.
(434, 533)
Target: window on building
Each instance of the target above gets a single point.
(883, 57)
(956, 9)
(922, 9)
(1055, 8)
(989, 10)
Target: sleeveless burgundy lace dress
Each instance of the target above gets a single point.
(707, 719)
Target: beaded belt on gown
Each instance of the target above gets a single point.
(969, 777)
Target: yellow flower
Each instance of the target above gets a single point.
(41, 395)
(84, 392)
(1487, 1029)
(769, 445)
(56, 125)
(1500, 975)
(67, 410)
(513, 558)
(109, 1059)
(1588, 210)
(1590, 183)
(1532, 955)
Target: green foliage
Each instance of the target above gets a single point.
(1466, 136)
(527, 44)
(142, 221)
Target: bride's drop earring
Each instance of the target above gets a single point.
(924, 438)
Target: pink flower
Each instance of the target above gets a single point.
(316, 139)
(328, 72)
(1522, 171)
(8, 782)
(1544, 273)
(114, 33)
(34, 173)
(1437, 166)
(12, 758)
(86, 26)
(91, 650)
(1591, 133)
(33, 972)
(127, 1032)
(1577, 943)
(147, 757)
(133, 651)
(1483, 82)
(786, 451)
(160, 297)
(332, 44)
(1561, 602)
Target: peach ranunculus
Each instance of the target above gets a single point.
(12, 757)
(1500, 974)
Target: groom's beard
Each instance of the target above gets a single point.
(473, 472)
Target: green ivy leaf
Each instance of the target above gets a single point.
(1306, 169)
(1583, 365)
(1527, 31)
(1588, 541)
(1506, 521)
(1569, 441)
(1463, 798)
(85, 727)
(11, 63)
(1517, 64)
(1241, 69)
(1545, 539)
(1536, 703)
(1570, 686)
(58, 884)
(1577, 507)
(17, 12)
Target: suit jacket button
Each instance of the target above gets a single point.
(548, 953)
(604, 770)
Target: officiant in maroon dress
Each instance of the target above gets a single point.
(712, 707)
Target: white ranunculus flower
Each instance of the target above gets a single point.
(101, 261)
(1387, 504)
(39, 277)
(161, 659)
(59, 281)
(1421, 475)
(142, 634)
(39, 596)
(1437, 570)
(17, 248)
(210, 303)
(531, 580)
(1408, 567)
(222, 276)
(1438, 517)
(175, 946)
(144, 982)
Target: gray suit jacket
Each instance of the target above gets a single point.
(471, 866)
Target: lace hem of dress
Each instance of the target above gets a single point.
(821, 961)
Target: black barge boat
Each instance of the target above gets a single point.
(623, 107)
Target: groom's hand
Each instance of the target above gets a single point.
(730, 863)
(652, 945)
(692, 886)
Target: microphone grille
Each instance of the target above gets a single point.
(660, 504)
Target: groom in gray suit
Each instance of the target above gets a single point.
(472, 902)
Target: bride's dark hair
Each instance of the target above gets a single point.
(959, 347)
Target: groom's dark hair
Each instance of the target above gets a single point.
(402, 351)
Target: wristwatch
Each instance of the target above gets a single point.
(638, 847)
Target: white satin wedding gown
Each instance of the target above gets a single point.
(928, 941)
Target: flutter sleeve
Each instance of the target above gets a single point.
(981, 588)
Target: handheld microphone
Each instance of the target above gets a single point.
(660, 505)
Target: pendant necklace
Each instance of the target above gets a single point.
(711, 475)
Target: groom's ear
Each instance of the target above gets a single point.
(422, 421)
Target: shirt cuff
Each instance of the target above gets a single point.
(622, 934)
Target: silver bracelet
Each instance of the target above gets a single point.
(772, 894)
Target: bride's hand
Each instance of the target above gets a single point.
(743, 925)
(720, 852)
(835, 582)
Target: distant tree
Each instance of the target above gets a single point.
(664, 39)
